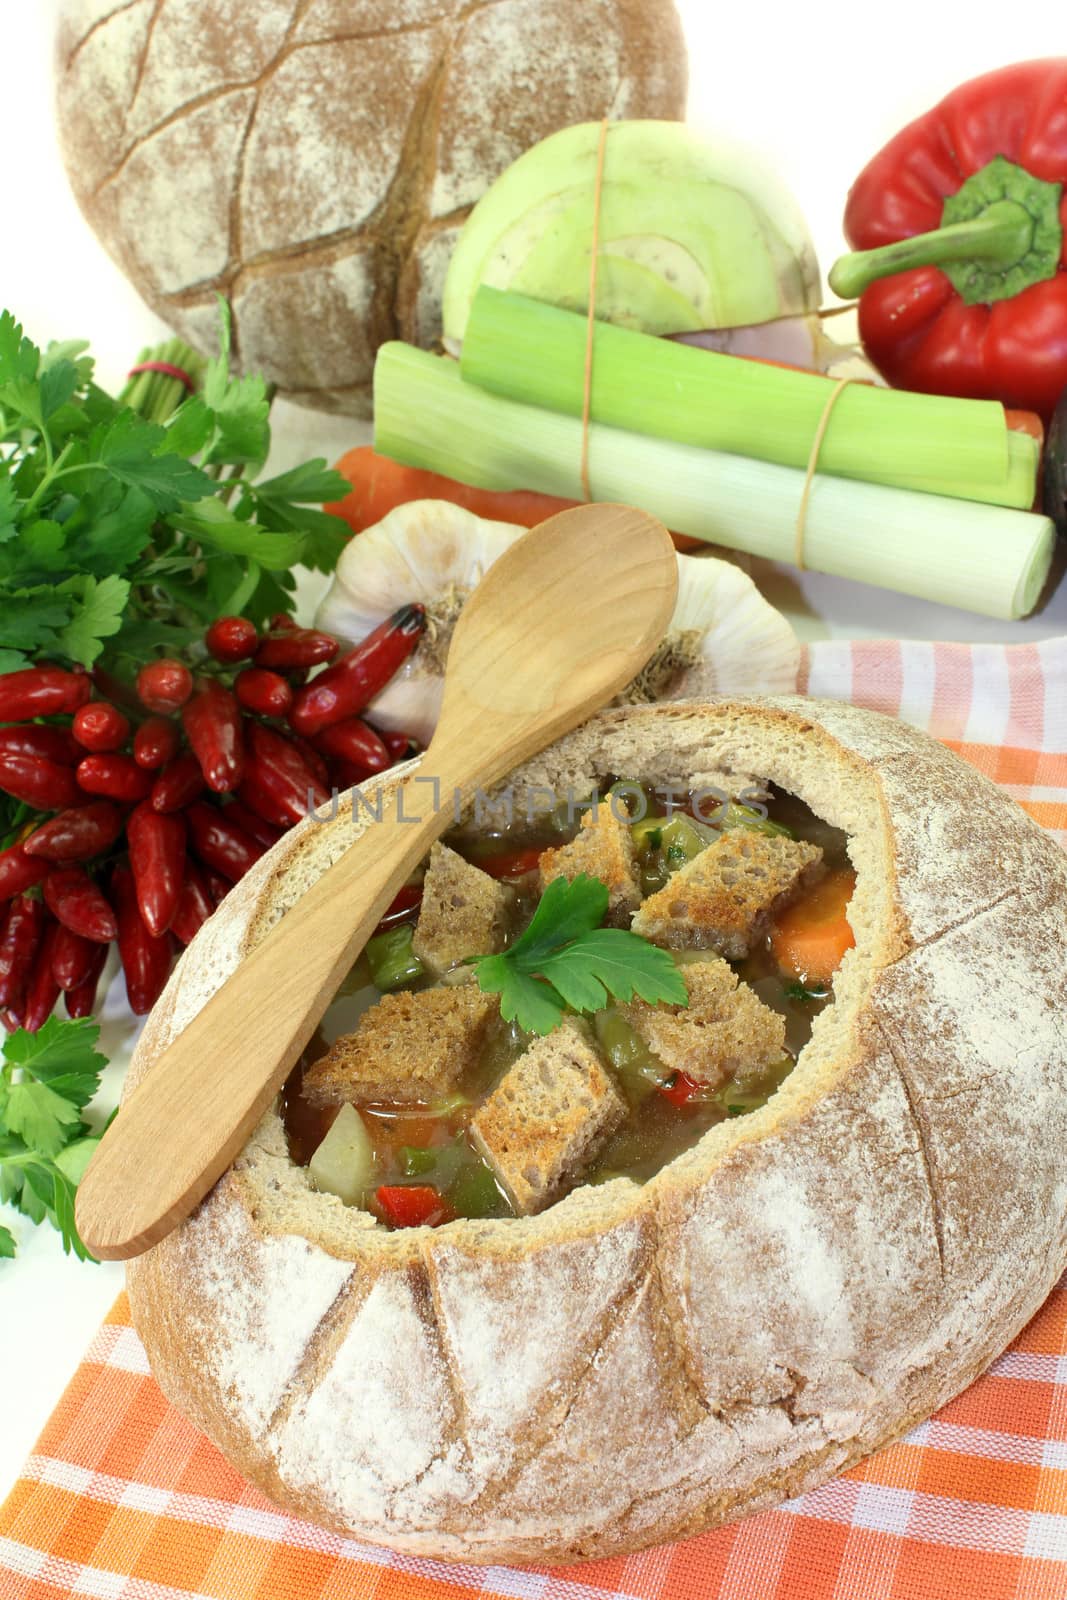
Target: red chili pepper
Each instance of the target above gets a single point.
(280, 622)
(41, 692)
(264, 692)
(77, 834)
(278, 770)
(412, 1205)
(38, 782)
(962, 269)
(11, 1017)
(346, 687)
(157, 857)
(112, 688)
(195, 905)
(290, 649)
(115, 777)
(34, 739)
(178, 785)
(72, 958)
(212, 722)
(42, 990)
(232, 639)
(79, 904)
(511, 863)
(314, 760)
(221, 844)
(100, 726)
(156, 742)
(401, 746)
(354, 741)
(260, 800)
(680, 1090)
(218, 887)
(401, 907)
(164, 685)
(81, 1001)
(145, 959)
(19, 946)
(346, 775)
(263, 832)
(18, 871)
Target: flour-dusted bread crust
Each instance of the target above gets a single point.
(314, 160)
(795, 1291)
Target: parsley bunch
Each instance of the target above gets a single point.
(46, 1081)
(564, 958)
(121, 536)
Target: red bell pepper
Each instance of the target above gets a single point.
(959, 223)
(412, 1205)
(680, 1090)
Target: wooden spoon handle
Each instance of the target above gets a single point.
(270, 1009)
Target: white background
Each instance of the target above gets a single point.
(815, 90)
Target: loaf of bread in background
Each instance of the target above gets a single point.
(314, 160)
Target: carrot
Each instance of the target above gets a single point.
(1026, 422)
(379, 485)
(810, 938)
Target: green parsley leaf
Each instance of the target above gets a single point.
(40, 1117)
(7, 1244)
(564, 959)
(128, 448)
(97, 615)
(62, 1055)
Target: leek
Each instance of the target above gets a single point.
(526, 350)
(978, 557)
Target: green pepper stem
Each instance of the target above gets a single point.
(1002, 235)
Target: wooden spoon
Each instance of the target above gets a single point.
(562, 621)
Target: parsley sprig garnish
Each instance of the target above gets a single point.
(565, 959)
(46, 1081)
(122, 535)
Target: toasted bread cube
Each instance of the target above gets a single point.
(724, 1030)
(410, 1046)
(603, 848)
(723, 899)
(546, 1118)
(463, 912)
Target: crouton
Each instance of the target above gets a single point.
(723, 899)
(725, 1030)
(463, 913)
(604, 849)
(546, 1118)
(410, 1046)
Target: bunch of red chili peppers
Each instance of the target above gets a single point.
(160, 798)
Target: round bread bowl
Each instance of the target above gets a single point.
(805, 1284)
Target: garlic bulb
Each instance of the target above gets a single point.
(724, 637)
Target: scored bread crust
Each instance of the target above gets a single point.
(805, 1284)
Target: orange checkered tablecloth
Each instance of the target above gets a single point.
(124, 1500)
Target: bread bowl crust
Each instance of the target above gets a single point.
(799, 1289)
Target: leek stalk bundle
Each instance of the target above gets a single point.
(535, 353)
(984, 558)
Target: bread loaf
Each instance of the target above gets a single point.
(314, 160)
(637, 1363)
